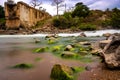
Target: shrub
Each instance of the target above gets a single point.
(87, 27)
(61, 22)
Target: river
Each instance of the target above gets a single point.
(16, 49)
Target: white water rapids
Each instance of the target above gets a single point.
(87, 33)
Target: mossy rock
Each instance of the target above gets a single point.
(23, 66)
(78, 69)
(67, 54)
(39, 50)
(51, 41)
(61, 72)
(56, 48)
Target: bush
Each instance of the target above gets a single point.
(87, 27)
(61, 22)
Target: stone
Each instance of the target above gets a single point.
(82, 35)
(61, 72)
(67, 54)
(85, 43)
(107, 35)
(103, 43)
(68, 48)
(51, 35)
(37, 40)
(111, 54)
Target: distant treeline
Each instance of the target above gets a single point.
(81, 17)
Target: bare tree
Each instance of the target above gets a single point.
(35, 3)
(58, 4)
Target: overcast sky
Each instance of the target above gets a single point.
(92, 4)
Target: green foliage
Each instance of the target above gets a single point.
(2, 12)
(106, 23)
(23, 66)
(115, 20)
(81, 10)
(2, 20)
(61, 22)
(85, 26)
(67, 15)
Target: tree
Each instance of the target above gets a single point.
(80, 10)
(115, 19)
(2, 13)
(58, 4)
(35, 3)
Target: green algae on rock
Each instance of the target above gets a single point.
(61, 72)
(23, 66)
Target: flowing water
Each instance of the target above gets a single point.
(16, 49)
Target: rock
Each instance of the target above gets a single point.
(111, 53)
(51, 35)
(103, 43)
(85, 43)
(107, 35)
(37, 40)
(82, 35)
(68, 48)
(88, 68)
(61, 72)
(67, 54)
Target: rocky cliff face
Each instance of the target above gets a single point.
(21, 14)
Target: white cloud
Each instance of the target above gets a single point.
(92, 4)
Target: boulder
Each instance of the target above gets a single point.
(111, 53)
(61, 72)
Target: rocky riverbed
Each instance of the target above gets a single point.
(15, 50)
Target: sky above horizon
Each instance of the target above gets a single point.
(92, 4)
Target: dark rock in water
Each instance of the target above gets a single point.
(82, 35)
(52, 35)
(61, 72)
